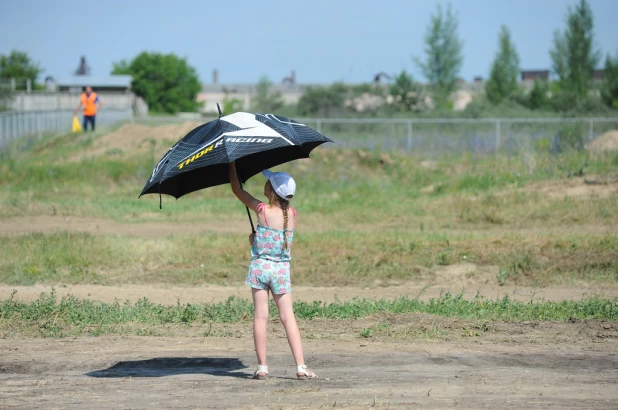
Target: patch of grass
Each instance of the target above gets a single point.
(59, 257)
(365, 215)
(332, 258)
(367, 332)
(71, 316)
(559, 261)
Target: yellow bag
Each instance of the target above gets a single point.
(77, 127)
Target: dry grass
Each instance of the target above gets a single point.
(364, 217)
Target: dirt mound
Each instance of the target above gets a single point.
(606, 142)
(136, 138)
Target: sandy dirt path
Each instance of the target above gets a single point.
(564, 366)
(171, 295)
(23, 225)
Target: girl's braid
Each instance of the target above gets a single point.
(284, 206)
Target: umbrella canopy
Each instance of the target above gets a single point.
(255, 141)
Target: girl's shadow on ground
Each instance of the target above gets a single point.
(169, 366)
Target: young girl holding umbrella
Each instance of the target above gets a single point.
(270, 264)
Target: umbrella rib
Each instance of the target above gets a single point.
(291, 143)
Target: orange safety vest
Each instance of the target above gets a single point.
(90, 103)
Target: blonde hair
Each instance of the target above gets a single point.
(284, 204)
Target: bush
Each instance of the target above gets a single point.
(538, 98)
(569, 137)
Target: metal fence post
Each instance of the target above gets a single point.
(318, 126)
(497, 136)
(38, 126)
(410, 131)
(590, 130)
(20, 125)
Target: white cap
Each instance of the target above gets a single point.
(283, 184)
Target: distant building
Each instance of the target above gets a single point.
(529, 76)
(291, 91)
(532, 75)
(598, 75)
(83, 68)
(212, 94)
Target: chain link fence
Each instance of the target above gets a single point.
(428, 137)
(435, 137)
(17, 124)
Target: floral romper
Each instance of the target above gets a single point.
(270, 261)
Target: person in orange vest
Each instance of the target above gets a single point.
(91, 103)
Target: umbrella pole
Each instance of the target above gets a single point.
(249, 215)
(250, 220)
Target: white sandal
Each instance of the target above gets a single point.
(303, 369)
(262, 368)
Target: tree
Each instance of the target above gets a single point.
(502, 82)
(538, 98)
(231, 105)
(265, 101)
(166, 82)
(574, 56)
(444, 57)
(609, 90)
(408, 95)
(6, 95)
(19, 66)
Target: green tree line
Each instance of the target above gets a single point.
(169, 84)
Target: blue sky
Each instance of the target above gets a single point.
(322, 40)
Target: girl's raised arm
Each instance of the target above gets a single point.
(245, 197)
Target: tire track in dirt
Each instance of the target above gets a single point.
(24, 225)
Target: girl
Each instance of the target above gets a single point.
(270, 264)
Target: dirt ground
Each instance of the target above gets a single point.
(418, 361)
(170, 295)
(526, 365)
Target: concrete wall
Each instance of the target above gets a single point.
(42, 101)
(212, 94)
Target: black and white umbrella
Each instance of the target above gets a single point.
(255, 141)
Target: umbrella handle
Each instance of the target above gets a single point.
(250, 220)
(249, 215)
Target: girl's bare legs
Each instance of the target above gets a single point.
(260, 319)
(286, 314)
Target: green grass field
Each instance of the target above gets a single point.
(69, 316)
(365, 216)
